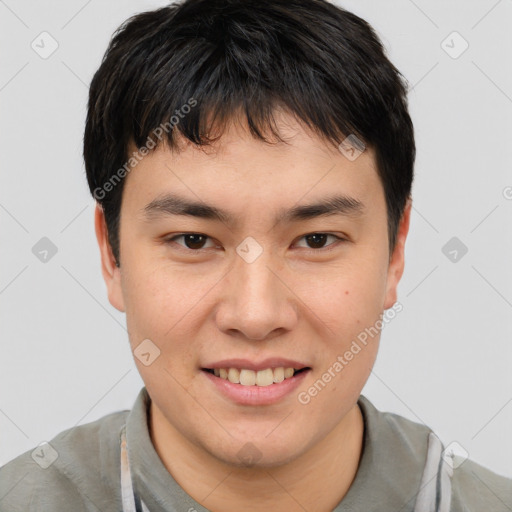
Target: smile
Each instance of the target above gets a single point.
(247, 377)
(258, 386)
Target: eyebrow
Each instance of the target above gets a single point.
(171, 204)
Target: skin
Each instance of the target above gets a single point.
(296, 301)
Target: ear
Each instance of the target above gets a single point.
(397, 261)
(111, 273)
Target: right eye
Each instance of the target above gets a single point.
(191, 241)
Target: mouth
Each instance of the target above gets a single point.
(245, 381)
(261, 378)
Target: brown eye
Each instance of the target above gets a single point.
(318, 240)
(192, 241)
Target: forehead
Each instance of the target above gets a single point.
(241, 168)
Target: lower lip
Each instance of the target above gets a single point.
(256, 395)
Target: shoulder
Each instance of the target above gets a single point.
(73, 471)
(476, 488)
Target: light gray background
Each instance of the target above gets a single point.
(446, 358)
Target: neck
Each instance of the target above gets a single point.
(316, 481)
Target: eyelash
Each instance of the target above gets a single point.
(329, 247)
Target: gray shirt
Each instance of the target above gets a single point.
(402, 469)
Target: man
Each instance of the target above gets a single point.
(252, 163)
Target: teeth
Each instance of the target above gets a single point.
(265, 377)
(233, 375)
(247, 377)
(251, 378)
(279, 375)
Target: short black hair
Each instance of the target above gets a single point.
(198, 64)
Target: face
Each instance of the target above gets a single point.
(251, 281)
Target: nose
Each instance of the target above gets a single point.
(256, 301)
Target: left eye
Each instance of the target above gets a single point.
(318, 239)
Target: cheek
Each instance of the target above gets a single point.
(163, 304)
(345, 297)
(151, 298)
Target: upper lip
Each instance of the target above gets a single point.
(272, 362)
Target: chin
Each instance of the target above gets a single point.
(258, 454)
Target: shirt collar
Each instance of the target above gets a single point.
(391, 465)
(154, 484)
(387, 479)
